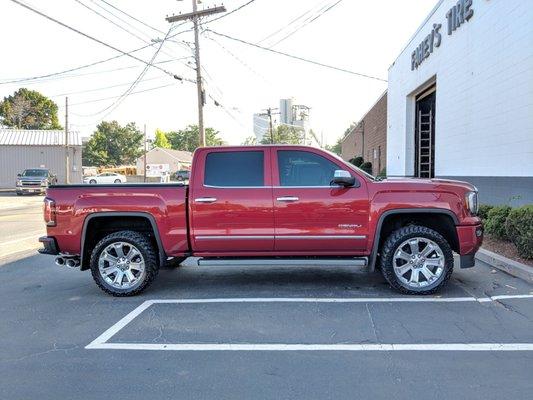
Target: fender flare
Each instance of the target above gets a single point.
(149, 217)
(377, 233)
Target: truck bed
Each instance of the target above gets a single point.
(165, 205)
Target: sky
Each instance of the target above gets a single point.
(357, 35)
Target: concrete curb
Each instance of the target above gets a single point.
(505, 264)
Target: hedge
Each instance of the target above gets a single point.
(495, 223)
(519, 230)
(484, 211)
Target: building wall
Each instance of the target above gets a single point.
(14, 159)
(373, 126)
(484, 99)
(158, 156)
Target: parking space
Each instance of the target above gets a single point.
(259, 332)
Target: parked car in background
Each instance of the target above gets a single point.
(34, 180)
(181, 176)
(106, 177)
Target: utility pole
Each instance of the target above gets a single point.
(269, 113)
(67, 163)
(144, 158)
(195, 15)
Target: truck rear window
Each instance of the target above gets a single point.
(234, 169)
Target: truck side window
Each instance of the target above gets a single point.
(234, 169)
(303, 168)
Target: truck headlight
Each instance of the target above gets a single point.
(472, 202)
(19, 182)
(44, 182)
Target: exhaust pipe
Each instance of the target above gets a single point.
(60, 261)
(73, 263)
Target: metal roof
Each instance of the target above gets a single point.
(24, 137)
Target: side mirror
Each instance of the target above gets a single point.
(19, 175)
(343, 178)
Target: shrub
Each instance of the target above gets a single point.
(484, 211)
(495, 222)
(357, 161)
(519, 230)
(367, 167)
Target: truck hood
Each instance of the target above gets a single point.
(435, 183)
(30, 178)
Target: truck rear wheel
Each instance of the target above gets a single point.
(416, 260)
(124, 263)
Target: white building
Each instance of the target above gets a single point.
(460, 99)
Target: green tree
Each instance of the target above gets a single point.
(113, 145)
(250, 141)
(283, 134)
(161, 139)
(29, 109)
(336, 148)
(188, 139)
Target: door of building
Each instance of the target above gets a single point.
(425, 134)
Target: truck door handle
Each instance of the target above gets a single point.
(205, 200)
(288, 198)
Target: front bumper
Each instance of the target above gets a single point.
(49, 245)
(470, 240)
(31, 189)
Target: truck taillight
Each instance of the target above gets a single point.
(49, 211)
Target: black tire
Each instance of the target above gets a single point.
(19, 194)
(147, 251)
(92, 182)
(118, 181)
(391, 245)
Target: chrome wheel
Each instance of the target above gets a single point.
(418, 262)
(121, 265)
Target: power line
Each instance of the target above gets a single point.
(92, 38)
(131, 16)
(322, 11)
(115, 104)
(228, 13)
(101, 88)
(111, 21)
(116, 97)
(288, 24)
(62, 76)
(297, 57)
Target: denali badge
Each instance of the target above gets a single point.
(348, 226)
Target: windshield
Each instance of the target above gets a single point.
(35, 172)
(351, 166)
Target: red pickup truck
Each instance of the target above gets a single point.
(266, 205)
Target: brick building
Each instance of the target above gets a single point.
(368, 138)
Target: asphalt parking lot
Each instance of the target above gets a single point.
(262, 333)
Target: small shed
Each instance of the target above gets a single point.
(21, 149)
(165, 159)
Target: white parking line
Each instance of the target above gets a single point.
(317, 347)
(101, 341)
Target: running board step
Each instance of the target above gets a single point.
(352, 262)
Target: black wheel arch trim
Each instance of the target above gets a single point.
(149, 217)
(377, 234)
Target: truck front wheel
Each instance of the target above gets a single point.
(124, 263)
(416, 260)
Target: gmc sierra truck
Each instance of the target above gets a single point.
(254, 205)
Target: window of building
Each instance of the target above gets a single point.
(303, 168)
(234, 169)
